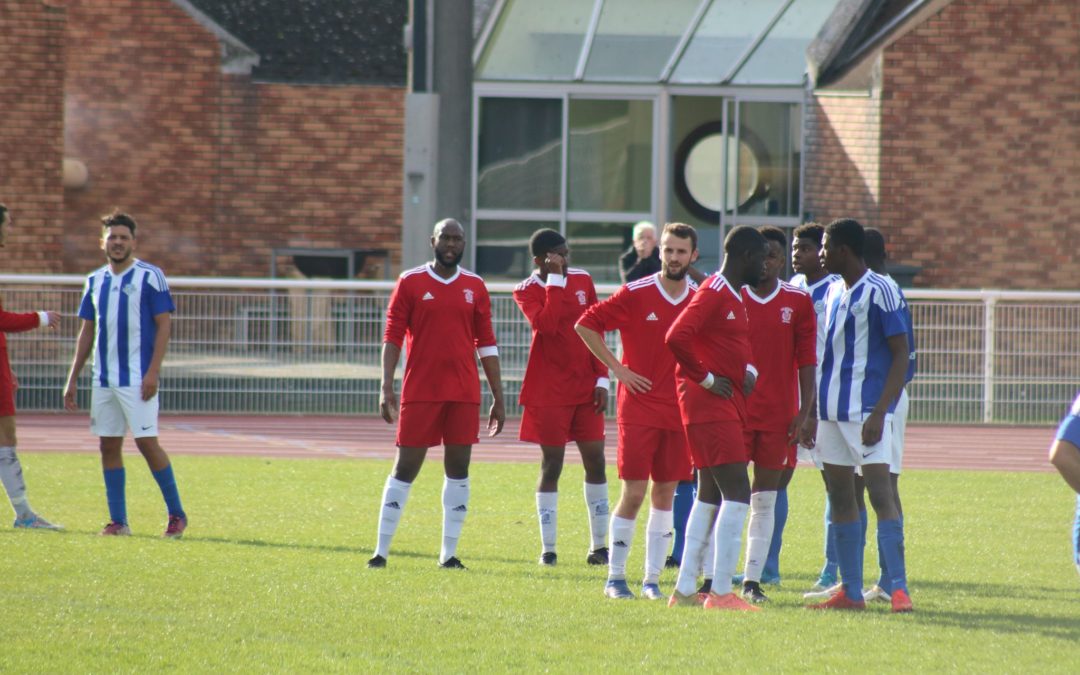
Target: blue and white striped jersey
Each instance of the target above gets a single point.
(910, 330)
(858, 322)
(123, 309)
(817, 295)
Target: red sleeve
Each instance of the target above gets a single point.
(541, 309)
(608, 315)
(397, 315)
(18, 322)
(598, 366)
(806, 333)
(485, 336)
(680, 337)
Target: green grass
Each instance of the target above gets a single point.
(271, 577)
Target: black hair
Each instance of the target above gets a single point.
(682, 231)
(847, 232)
(811, 231)
(874, 248)
(118, 218)
(773, 233)
(743, 239)
(545, 240)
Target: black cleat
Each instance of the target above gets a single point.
(548, 558)
(452, 563)
(376, 563)
(751, 590)
(598, 556)
(706, 586)
(671, 563)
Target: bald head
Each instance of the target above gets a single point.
(448, 223)
(448, 241)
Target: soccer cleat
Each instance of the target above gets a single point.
(729, 601)
(115, 529)
(823, 593)
(452, 563)
(176, 527)
(824, 582)
(616, 589)
(752, 592)
(652, 592)
(840, 600)
(598, 556)
(673, 564)
(901, 602)
(35, 522)
(377, 562)
(875, 592)
(677, 599)
(549, 559)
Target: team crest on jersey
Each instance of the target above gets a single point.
(785, 314)
(581, 297)
(819, 306)
(858, 307)
(128, 289)
(468, 295)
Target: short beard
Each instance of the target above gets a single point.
(676, 276)
(448, 259)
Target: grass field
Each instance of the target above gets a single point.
(271, 577)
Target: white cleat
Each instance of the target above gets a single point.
(36, 522)
(875, 593)
(823, 594)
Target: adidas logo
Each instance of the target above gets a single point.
(652, 317)
(619, 544)
(730, 314)
(392, 505)
(428, 296)
(461, 508)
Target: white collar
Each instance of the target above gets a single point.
(431, 272)
(664, 293)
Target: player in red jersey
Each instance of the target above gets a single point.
(443, 314)
(652, 443)
(710, 340)
(11, 474)
(783, 332)
(565, 390)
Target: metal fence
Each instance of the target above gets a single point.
(296, 347)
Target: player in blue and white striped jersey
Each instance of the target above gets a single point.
(1065, 456)
(862, 374)
(126, 314)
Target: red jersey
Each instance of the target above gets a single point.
(13, 322)
(444, 323)
(711, 336)
(783, 335)
(561, 370)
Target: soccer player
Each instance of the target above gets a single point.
(565, 390)
(710, 340)
(11, 474)
(651, 439)
(126, 314)
(784, 338)
(862, 374)
(1065, 456)
(442, 313)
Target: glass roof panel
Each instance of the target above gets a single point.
(536, 41)
(634, 39)
(726, 32)
(781, 56)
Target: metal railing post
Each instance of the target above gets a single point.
(989, 305)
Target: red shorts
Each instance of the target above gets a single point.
(558, 425)
(423, 424)
(716, 443)
(770, 449)
(648, 452)
(7, 396)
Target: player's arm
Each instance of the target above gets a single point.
(894, 383)
(680, 340)
(611, 314)
(600, 369)
(806, 361)
(543, 306)
(20, 322)
(83, 344)
(488, 351)
(163, 326)
(388, 402)
(397, 322)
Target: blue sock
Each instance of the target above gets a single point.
(772, 562)
(884, 579)
(847, 550)
(685, 493)
(167, 483)
(114, 494)
(831, 560)
(1076, 533)
(891, 541)
(864, 520)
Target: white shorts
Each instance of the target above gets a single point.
(840, 443)
(810, 456)
(114, 410)
(899, 426)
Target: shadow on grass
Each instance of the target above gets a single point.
(1050, 626)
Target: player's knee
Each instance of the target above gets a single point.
(1057, 454)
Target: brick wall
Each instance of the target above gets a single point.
(218, 169)
(31, 133)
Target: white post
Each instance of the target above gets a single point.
(988, 359)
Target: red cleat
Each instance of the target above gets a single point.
(677, 599)
(901, 601)
(840, 600)
(176, 527)
(115, 529)
(729, 601)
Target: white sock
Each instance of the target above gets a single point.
(547, 511)
(657, 542)
(759, 533)
(698, 526)
(597, 500)
(622, 538)
(455, 506)
(12, 477)
(728, 535)
(395, 494)
(707, 555)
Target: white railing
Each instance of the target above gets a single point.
(292, 347)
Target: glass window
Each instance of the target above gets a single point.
(519, 155)
(635, 38)
(781, 56)
(610, 159)
(771, 133)
(536, 41)
(597, 247)
(728, 28)
(502, 247)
